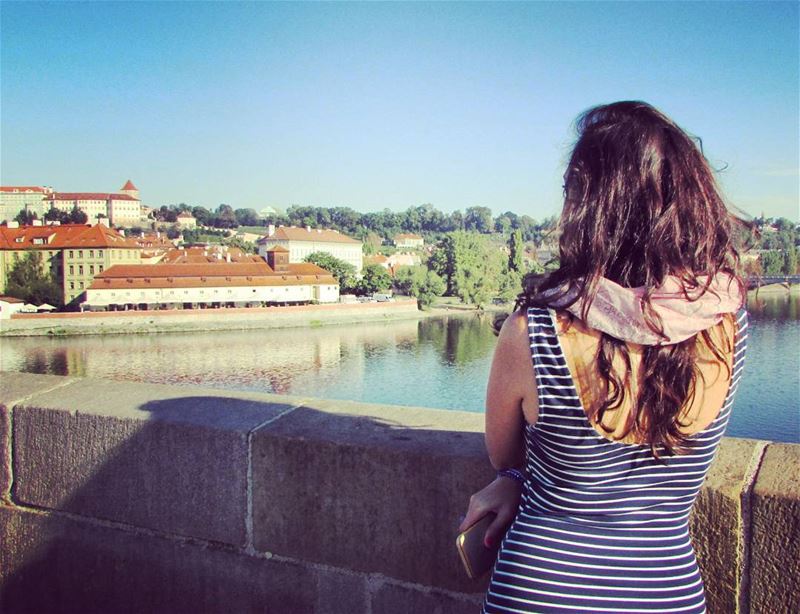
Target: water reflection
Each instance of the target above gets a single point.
(436, 362)
(461, 340)
(774, 306)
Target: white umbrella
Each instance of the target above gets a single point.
(28, 308)
(46, 307)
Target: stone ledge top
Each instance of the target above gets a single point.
(391, 427)
(344, 422)
(17, 386)
(779, 475)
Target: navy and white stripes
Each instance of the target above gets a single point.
(602, 525)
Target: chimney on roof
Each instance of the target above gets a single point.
(270, 230)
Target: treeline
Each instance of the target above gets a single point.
(466, 265)
(425, 220)
(776, 243)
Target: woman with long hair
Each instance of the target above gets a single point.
(613, 380)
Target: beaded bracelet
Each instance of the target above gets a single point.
(514, 474)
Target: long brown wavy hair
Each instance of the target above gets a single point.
(640, 204)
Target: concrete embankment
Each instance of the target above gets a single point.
(127, 322)
(130, 497)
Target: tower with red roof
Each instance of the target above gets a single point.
(130, 189)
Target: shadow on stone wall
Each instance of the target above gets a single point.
(128, 500)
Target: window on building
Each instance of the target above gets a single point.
(72, 285)
(71, 270)
(71, 254)
(80, 269)
(91, 269)
(101, 268)
(80, 253)
(80, 284)
(91, 253)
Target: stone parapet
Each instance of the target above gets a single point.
(130, 497)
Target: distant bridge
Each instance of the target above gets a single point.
(755, 282)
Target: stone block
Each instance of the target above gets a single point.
(716, 523)
(58, 564)
(391, 598)
(775, 542)
(14, 387)
(371, 488)
(159, 457)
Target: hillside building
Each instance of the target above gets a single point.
(301, 242)
(408, 241)
(14, 199)
(121, 209)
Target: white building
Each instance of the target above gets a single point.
(121, 209)
(223, 284)
(10, 305)
(408, 241)
(14, 199)
(301, 242)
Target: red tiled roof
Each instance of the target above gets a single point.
(198, 275)
(64, 236)
(22, 189)
(11, 299)
(88, 196)
(201, 255)
(129, 186)
(292, 233)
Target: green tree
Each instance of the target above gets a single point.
(375, 279)
(238, 242)
(344, 272)
(470, 266)
(25, 217)
(28, 281)
(790, 260)
(430, 286)
(246, 217)
(202, 215)
(225, 217)
(772, 263)
(167, 214)
(516, 248)
(478, 219)
(510, 285)
(76, 216)
(420, 282)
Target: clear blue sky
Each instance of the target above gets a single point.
(385, 105)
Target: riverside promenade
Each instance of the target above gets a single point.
(130, 497)
(180, 320)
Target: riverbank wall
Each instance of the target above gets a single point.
(133, 322)
(130, 497)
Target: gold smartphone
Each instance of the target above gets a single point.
(477, 558)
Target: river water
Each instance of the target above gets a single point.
(436, 362)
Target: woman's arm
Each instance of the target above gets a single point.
(510, 394)
(510, 400)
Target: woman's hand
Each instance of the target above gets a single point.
(500, 497)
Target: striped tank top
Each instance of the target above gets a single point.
(602, 526)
